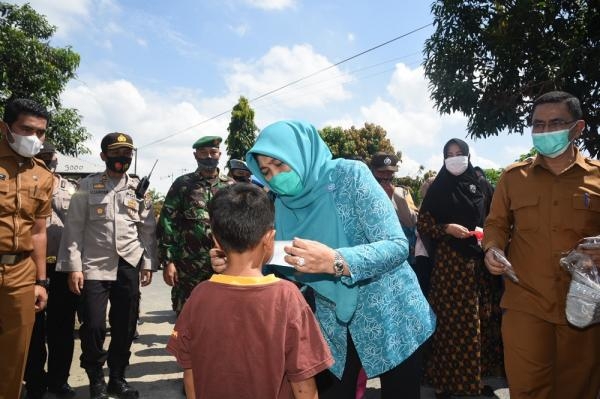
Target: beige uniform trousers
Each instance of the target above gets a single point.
(17, 315)
(544, 360)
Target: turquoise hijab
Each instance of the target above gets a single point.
(312, 213)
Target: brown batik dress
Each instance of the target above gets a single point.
(465, 297)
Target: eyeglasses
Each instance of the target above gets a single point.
(550, 126)
(204, 153)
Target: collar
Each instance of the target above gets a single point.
(243, 280)
(579, 161)
(6, 151)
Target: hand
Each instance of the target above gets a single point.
(145, 277)
(316, 257)
(76, 282)
(592, 253)
(457, 231)
(494, 265)
(170, 274)
(41, 298)
(218, 260)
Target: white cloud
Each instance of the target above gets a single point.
(67, 15)
(280, 66)
(239, 30)
(120, 106)
(271, 4)
(351, 37)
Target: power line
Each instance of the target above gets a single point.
(289, 84)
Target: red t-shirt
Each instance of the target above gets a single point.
(247, 337)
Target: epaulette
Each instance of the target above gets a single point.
(593, 162)
(525, 162)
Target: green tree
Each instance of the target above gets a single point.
(31, 68)
(490, 59)
(361, 143)
(242, 130)
(157, 201)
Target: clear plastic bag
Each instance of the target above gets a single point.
(583, 298)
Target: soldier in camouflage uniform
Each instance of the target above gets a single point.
(57, 322)
(183, 232)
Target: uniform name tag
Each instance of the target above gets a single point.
(99, 186)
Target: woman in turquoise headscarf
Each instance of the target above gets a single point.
(349, 247)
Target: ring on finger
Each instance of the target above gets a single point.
(301, 261)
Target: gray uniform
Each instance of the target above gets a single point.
(61, 198)
(107, 221)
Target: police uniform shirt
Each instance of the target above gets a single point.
(107, 221)
(539, 216)
(25, 192)
(61, 197)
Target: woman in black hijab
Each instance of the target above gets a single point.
(466, 343)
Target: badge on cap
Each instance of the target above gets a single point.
(387, 161)
(121, 139)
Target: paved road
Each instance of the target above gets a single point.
(156, 374)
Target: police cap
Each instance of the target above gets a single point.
(237, 164)
(47, 148)
(207, 141)
(116, 140)
(383, 161)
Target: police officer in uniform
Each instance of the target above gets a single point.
(57, 323)
(109, 247)
(183, 228)
(383, 167)
(25, 192)
(238, 171)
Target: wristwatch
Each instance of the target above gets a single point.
(44, 283)
(338, 264)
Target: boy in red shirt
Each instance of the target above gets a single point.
(242, 334)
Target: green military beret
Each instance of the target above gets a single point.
(207, 141)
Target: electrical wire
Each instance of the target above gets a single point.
(287, 85)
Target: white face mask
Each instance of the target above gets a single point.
(457, 165)
(26, 146)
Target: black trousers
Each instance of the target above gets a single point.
(54, 326)
(403, 381)
(124, 296)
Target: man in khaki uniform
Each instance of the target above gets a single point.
(108, 247)
(383, 167)
(25, 191)
(55, 325)
(541, 208)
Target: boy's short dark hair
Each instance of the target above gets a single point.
(572, 102)
(23, 106)
(240, 215)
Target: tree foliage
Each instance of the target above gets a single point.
(490, 59)
(242, 130)
(357, 143)
(31, 68)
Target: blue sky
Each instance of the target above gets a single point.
(158, 69)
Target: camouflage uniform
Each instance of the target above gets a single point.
(184, 233)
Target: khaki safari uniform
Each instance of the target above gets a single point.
(537, 217)
(109, 236)
(405, 207)
(25, 192)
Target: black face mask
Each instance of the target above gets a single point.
(118, 164)
(384, 180)
(208, 163)
(241, 179)
(51, 164)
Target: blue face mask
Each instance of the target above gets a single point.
(551, 144)
(286, 183)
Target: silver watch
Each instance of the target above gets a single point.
(338, 264)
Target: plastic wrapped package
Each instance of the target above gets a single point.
(583, 298)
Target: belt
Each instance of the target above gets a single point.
(12, 259)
